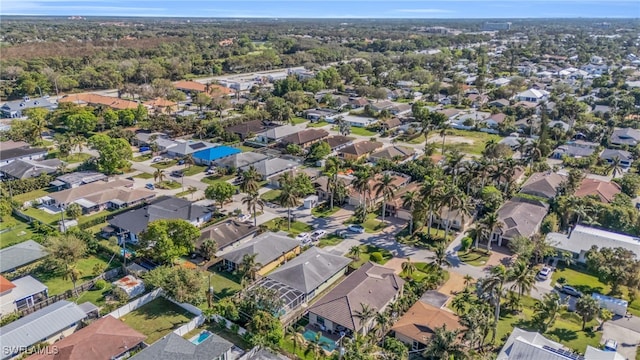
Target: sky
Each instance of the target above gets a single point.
(435, 9)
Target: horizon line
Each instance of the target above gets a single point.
(322, 18)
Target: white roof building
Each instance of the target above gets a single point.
(582, 238)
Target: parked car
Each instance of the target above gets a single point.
(144, 149)
(610, 345)
(180, 162)
(356, 228)
(244, 217)
(570, 290)
(343, 233)
(304, 237)
(150, 186)
(544, 273)
(177, 173)
(318, 234)
(157, 159)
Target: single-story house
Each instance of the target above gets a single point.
(337, 142)
(391, 123)
(318, 114)
(9, 155)
(450, 113)
(519, 217)
(359, 150)
(301, 279)
(272, 167)
(353, 120)
(174, 346)
(372, 285)
(209, 155)
(99, 100)
(625, 136)
(75, 179)
(514, 142)
(312, 173)
(582, 238)
(625, 157)
(239, 160)
(532, 96)
(358, 102)
(398, 180)
(192, 87)
(190, 147)
(46, 325)
(382, 105)
(26, 169)
(129, 224)
(304, 138)
(560, 125)
(276, 134)
(161, 106)
(543, 184)
(20, 293)
(226, 234)
(575, 149)
(394, 153)
(418, 325)
(21, 254)
(604, 190)
(272, 249)
(500, 103)
(101, 195)
(247, 129)
(495, 120)
(14, 109)
(104, 339)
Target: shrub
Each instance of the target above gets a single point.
(376, 257)
(10, 318)
(100, 284)
(562, 280)
(466, 243)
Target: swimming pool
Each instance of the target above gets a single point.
(200, 337)
(128, 253)
(325, 342)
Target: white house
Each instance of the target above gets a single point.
(582, 238)
(532, 95)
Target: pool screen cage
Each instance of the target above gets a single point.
(291, 298)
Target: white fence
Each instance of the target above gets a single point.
(190, 326)
(135, 304)
(190, 308)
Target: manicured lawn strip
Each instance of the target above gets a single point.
(194, 169)
(224, 284)
(297, 227)
(43, 216)
(362, 131)
(365, 255)
(271, 195)
(71, 159)
(20, 231)
(32, 195)
(168, 184)
(298, 120)
(324, 210)
(244, 148)
(55, 279)
(329, 240)
(584, 282)
(157, 318)
(216, 179)
(185, 193)
(317, 124)
(474, 257)
(141, 158)
(371, 225)
(164, 164)
(144, 176)
(96, 297)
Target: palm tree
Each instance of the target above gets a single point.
(188, 160)
(523, 277)
(588, 308)
(289, 196)
(615, 167)
(361, 184)
(547, 310)
(444, 345)
(459, 304)
(492, 287)
(382, 322)
(355, 252)
(249, 267)
(249, 180)
(431, 193)
(331, 169)
(440, 256)
(365, 314)
(253, 202)
(443, 133)
(314, 347)
(158, 175)
(72, 273)
(468, 280)
(408, 268)
(409, 200)
(492, 223)
(386, 188)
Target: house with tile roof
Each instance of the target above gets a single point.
(395, 153)
(305, 138)
(104, 339)
(359, 150)
(519, 217)
(272, 250)
(418, 325)
(337, 142)
(91, 99)
(337, 311)
(161, 106)
(605, 191)
(543, 184)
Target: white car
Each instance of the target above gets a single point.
(318, 234)
(244, 217)
(304, 237)
(544, 273)
(356, 228)
(157, 159)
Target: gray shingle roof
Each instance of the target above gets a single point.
(175, 347)
(627, 136)
(521, 217)
(40, 325)
(543, 184)
(23, 104)
(16, 153)
(309, 270)
(240, 160)
(270, 167)
(136, 221)
(227, 233)
(269, 246)
(582, 238)
(20, 254)
(24, 168)
(610, 154)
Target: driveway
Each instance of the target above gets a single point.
(622, 331)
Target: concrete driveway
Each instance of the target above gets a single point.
(626, 331)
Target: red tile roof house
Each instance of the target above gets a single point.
(603, 190)
(355, 198)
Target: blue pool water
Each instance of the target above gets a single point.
(201, 337)
(325, 342)
(128, 252)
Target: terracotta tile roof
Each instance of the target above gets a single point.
(5, 284)
(396, 201)
(214, 89)
(95, 99)
(398, 181)
(421, 320)
(606, 191)
(160, 102)
(104, 339)
(361, 148)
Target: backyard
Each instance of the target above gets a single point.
(14, 231)
(224, 284)
(89, 268)
(31, 195)
(222, 332)
(157, 318)
(366, 252)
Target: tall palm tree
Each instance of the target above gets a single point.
(361, 184)
(408, 268)
(365, 315)
(355, 251)
(332, 168)
(409, 200)
(289, 196)
(547, 310)
(386, 188)
(249, 180)
(523, 277)
(296, 338)
(382, 322)
(158, 175)
(188, 160)
(431, 192)
(73, 274)
(468, 280)
(493, 287)
(615, 167)
(492, 224)
(443, 133)
(249, 267)
(440, 256)
(253, 202)
(444, 345)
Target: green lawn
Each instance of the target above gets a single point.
(43, 216)
(164, 164)
(142, 158)
(224, 284)
(57, 284)
(422, 271)
(194, 169)
(365, 254)
(144, 176)
(157, 318)
(244, 148)
(417, 140)
(324, 210)
(281, 224)
(271, 195)
(298, 120)
(71, 159)
(96, 297)
(477, 140)
(216, 179)
(329, 240)
(32, 195)
(317, 124)
(371, 225)
(168, 184)
(362, 131)
(20, 231)
(420, 239)
(474, 257)
(185, 193)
